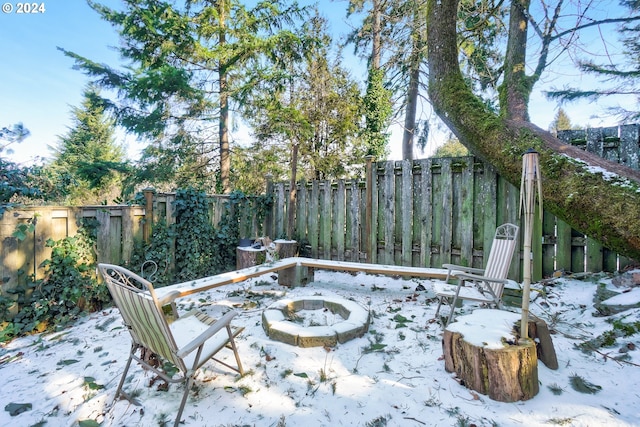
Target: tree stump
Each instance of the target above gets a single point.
(248, 256)
(482, 351)
(285, 248)
(294, 276)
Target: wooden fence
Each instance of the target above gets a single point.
(441, 210)
(118, 229)
(422, 213)
(118, 225)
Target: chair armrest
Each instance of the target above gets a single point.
(477, 277)
(453, 268)
(168, 298)
(208, 333)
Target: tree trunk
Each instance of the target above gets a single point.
(223, 121)
(377, 35)
(516, 89)
(412, 94)
(291, 210)
(602, 207)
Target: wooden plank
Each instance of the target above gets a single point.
(354, 225)
(314, 218)
(179, 290)
(563, 246)
(42, 252)
(629, 151)
(465, 223)
(388, 214)
(325, 219)
(437, 213)
(425, 198)
(609, 260)
(128, 233)
(169, 212)
(104, 232)
(373, 215)
(302, 214)
(548, 244)
(75, 216)
(594, 256)
(536, 246)
(58, 225)
(14, 254)
(115, 238)
(406, 212)
(594, 141)
(490, 215)
(578, 244)
(339, 220)
(447, 211)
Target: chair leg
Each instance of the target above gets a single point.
(232, 341)
(124, 376)
(187, 387)
(440, 299)
(452, 309)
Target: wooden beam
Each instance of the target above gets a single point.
(179, 290)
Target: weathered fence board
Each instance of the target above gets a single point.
(423, 213)
(433, 211)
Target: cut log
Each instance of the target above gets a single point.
(286, 248)
(484, 355)
(248, 257)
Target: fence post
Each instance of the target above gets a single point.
(368, 214)
(148, 214)
(268, 218)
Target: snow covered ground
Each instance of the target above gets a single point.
(392, 376)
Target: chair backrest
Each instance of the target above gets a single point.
(502, 249)
(143, 316)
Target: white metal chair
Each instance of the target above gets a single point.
(187, 342)
(484, 285)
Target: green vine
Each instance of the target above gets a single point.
(68, 288)
(195, 254)
(154, 260)
(192, 247)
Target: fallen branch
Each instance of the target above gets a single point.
(620, 361)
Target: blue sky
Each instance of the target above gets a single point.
(38, 86)
(37, 83)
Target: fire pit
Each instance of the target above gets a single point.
(315, 321)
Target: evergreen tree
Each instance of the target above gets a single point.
(87, 163)
(378, 104)
(318, 110)
(560, 122)
(15, 180)
(192, 65)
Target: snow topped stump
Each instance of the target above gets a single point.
(315, 321)
(482, 350)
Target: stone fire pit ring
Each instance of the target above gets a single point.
(278, 327)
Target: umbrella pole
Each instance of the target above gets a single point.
(528, 187)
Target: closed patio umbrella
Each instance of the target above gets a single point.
(530, 186)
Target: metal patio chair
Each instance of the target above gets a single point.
(188, 341)
(484, 285)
